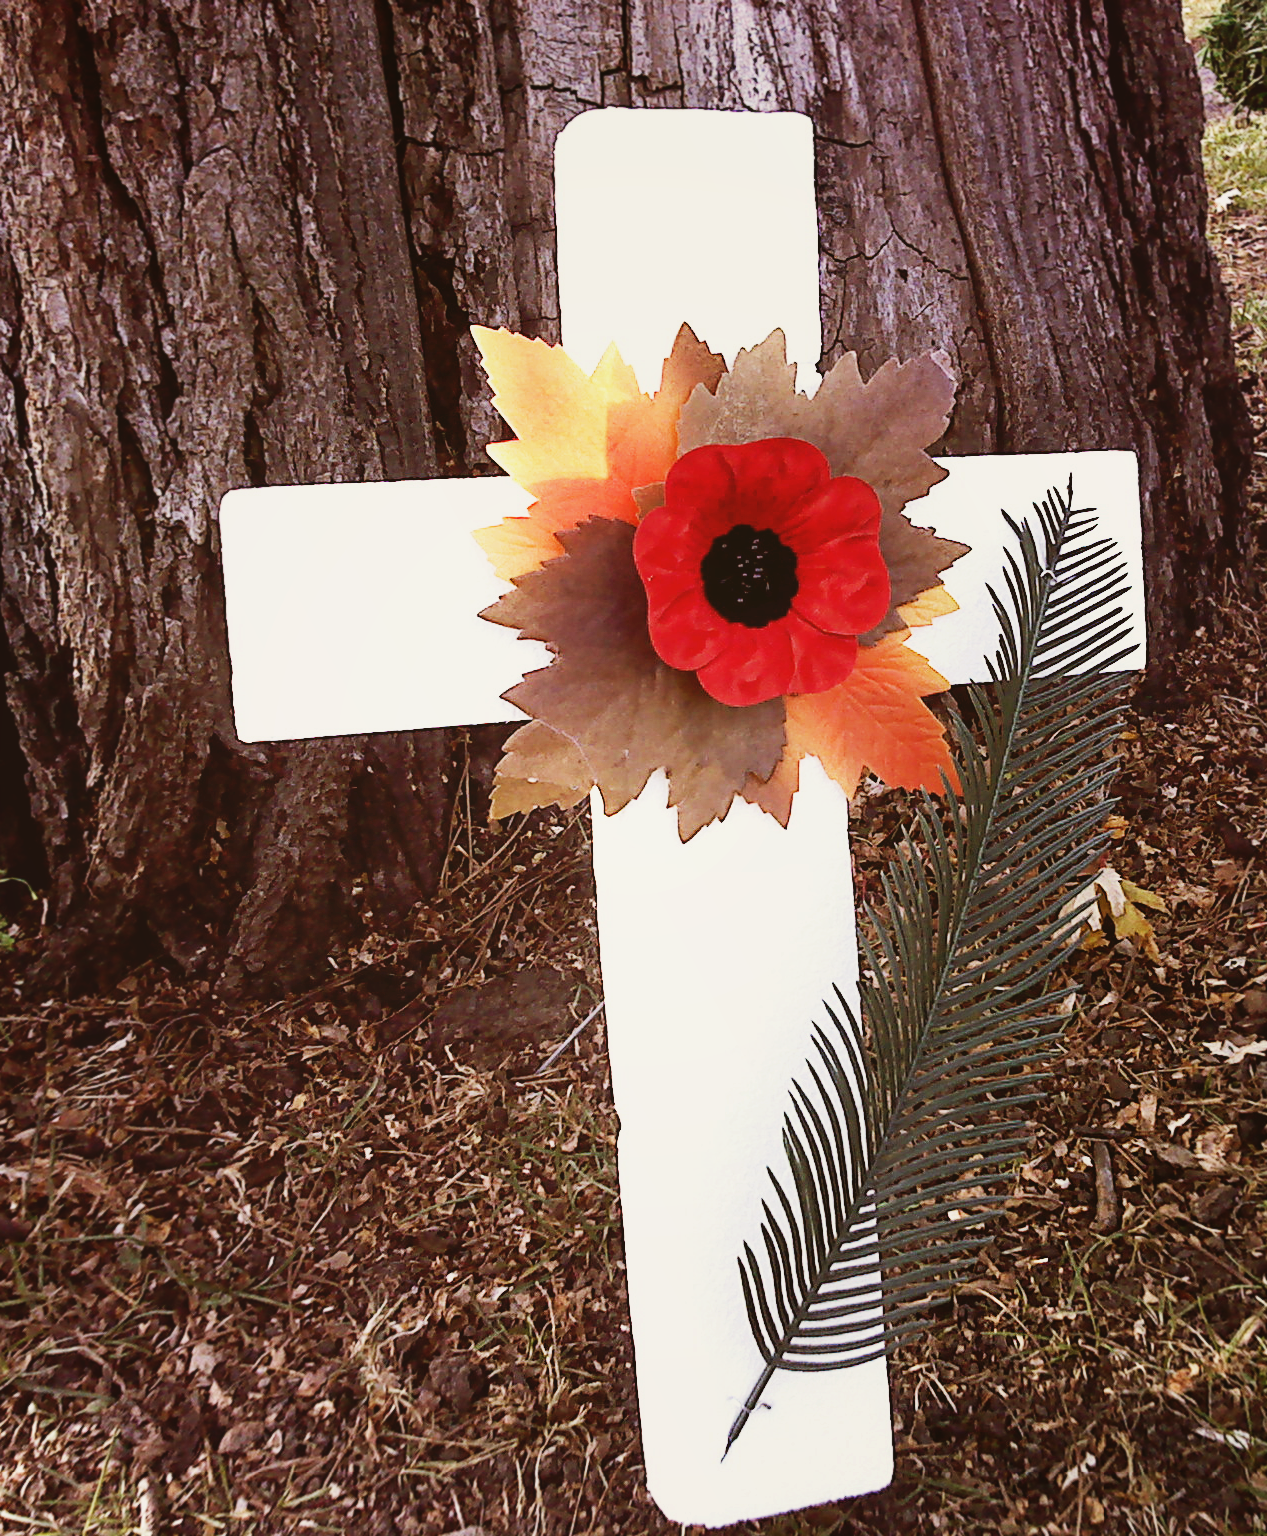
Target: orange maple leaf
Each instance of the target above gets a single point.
(584, 442)
(875, 720)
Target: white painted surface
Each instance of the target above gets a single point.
(717, 955)
(354, 609)
(969, 504)
(704, 217)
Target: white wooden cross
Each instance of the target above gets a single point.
(353, 608)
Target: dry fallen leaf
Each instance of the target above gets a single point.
(240, 1437)
(1215, 1147)
(608, 711)
(1111, 899)
(1182, 1380)
(202, 1359)
(1234, 1052)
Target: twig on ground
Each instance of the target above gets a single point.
(1107, 1215)
(151, 1512)
(559, 1050)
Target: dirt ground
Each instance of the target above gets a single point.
(352, 1263)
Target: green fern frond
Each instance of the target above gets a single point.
(906, 1126)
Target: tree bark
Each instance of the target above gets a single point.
(242, 244)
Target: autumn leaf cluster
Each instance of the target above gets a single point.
(594, 451)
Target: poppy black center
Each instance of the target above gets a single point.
(749, 576)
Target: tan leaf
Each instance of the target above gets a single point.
(518, 786)
(648, 497)
(1234, 1052)
(876, 430)
(1109, 898)
(929, 605)
(608, 711)
(757, 398)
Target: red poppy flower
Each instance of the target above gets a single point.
(761, 570)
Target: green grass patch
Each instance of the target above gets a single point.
(1251, 315)
(1235, 153)
(1196, 13)
(1234, 45)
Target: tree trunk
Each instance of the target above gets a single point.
(243, 243)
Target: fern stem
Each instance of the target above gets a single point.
(749, 1407)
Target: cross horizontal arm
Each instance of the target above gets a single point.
(355, 608)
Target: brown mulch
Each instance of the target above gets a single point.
(350, 1263)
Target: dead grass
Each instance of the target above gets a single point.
(1195, 15)
(350, 1264)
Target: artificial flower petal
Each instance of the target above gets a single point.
(858, 588)
(756, 666)
(744, 528)
(782, 481)
(875, 429)
(843, 502)
(820, 661)
(690, 636)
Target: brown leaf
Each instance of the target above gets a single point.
(757, 398)
(916, 557)
(649, 497)
(1182, 1380)
(241, 1437)
(876, 430)
(1254, 1003)
(1213, 1207)
(608, 711)
(459, 1379)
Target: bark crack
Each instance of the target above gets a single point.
(443, 325)
(976, 283)
(167, 386)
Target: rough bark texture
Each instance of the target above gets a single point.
(242, 243)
